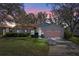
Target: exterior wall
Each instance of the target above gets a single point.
(3, 31)
(52, 31)
(21, 30)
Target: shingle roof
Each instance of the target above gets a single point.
(28, 26)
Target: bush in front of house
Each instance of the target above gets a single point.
(1, 33)
(16, 35)
(67, 34)
(42, 36)
(74, 39)
(35, 35)
(71, 37)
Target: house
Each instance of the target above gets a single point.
(22, 28)
(50, 31)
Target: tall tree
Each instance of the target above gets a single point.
(31, 18)
(65, 13)
(11, 7)
(41, 17)
(14, 9)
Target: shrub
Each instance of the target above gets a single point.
(42, 36)
(35, 35)
(74, 39)
(67, 34)
(16, 34)
(1, 33)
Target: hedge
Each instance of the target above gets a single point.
(67, 34)
(74, 40)
(16, 34)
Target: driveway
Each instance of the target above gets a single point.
(63, 48)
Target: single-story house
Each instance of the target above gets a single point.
(48, 30)
(19, 28)
(24, 28)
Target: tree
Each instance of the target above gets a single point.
(31, 18)
(11, 7)
(65, 15)
(14, 9)
(41, 17)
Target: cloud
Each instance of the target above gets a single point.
(35, 11)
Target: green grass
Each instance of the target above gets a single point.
(75, 40)
(23, 46)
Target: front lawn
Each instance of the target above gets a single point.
(24, 46)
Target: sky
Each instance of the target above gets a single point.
(37, 7)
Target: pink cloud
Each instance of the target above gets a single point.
(35, 11)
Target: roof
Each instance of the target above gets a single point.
(4, 26)
(26, 26)
(20, 26)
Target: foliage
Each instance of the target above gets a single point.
(16, 10)
(64, 12)
(12, 7)
(31, 19)
(35, 35)
(67, 34)
(75, 40)
(41, 17)
(16, 35)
